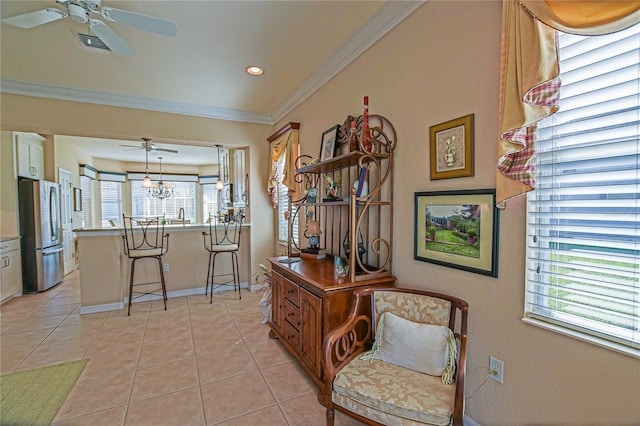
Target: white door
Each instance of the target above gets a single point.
(66, 208)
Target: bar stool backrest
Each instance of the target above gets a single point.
(142, 234)
(229, 234)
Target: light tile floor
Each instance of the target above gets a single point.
(194, 364)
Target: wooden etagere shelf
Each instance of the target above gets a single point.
(369, 213)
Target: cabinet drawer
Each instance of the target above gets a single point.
(292, 314)
(9, 245)
(291, 336)
(292, 291)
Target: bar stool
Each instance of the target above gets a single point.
(223, 238)
(145, 239)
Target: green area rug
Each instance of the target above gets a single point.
(34, 397)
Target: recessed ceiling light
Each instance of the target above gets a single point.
(253, 70)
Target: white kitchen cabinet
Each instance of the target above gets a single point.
(11, 269)
(29, 155)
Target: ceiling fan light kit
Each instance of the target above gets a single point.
(78, 13)
(81, 10)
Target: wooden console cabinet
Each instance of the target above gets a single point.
(308, 298)
(308, 301)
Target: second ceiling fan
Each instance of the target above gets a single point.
(148, 146)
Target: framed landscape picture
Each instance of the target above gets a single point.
(458, 229)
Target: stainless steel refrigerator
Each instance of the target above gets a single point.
(41, 232)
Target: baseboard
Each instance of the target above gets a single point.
(150, 297)
(101, 308)
(258, 287)
(468, 421)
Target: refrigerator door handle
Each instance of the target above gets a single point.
(52, 251)
(52, 213)
(51, 202)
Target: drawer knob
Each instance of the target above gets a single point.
(290, 314)
(289, 291)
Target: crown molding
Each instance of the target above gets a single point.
(390, 15)
(25, 88)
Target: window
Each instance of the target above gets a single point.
(583, 219)
(111, 203)
(86, 185)
(209, 200)
(184, 198)
(283, 207)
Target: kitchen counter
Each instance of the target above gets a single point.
(104, 268)
(167, 228)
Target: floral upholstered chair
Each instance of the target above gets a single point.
(398, 359)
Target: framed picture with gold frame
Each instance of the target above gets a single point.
(452, 148)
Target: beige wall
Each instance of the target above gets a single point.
(443, 62)
(51, 117)
(8, 187)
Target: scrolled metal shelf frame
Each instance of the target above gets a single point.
(381, 156)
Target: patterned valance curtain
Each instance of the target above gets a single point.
(283, 143)
(529, 84)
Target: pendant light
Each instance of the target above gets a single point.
(219, 183)
(146, 182)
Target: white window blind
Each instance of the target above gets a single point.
(111, 203)
(86, 186)
(583, 219)
(283, 206)
(209, 200)
(185, 198)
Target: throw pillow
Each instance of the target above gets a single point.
(426, 348)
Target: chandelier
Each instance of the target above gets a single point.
(160, 190)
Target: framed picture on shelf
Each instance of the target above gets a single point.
(451, 146)
(328, 145)
(458, 229)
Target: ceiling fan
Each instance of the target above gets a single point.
(150, 147)
(81, 11)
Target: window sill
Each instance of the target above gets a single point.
(607, 344)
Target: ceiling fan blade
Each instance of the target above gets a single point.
(110, 38)
(143, 22)
(33, 19)
(154, 147)
(132, 146)
(166, 150)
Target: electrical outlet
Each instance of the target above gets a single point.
(165, 267)
(496, 369)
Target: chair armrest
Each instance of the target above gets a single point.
(458, 413)
(346, 341)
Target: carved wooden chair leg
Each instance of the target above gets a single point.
(330, 416)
